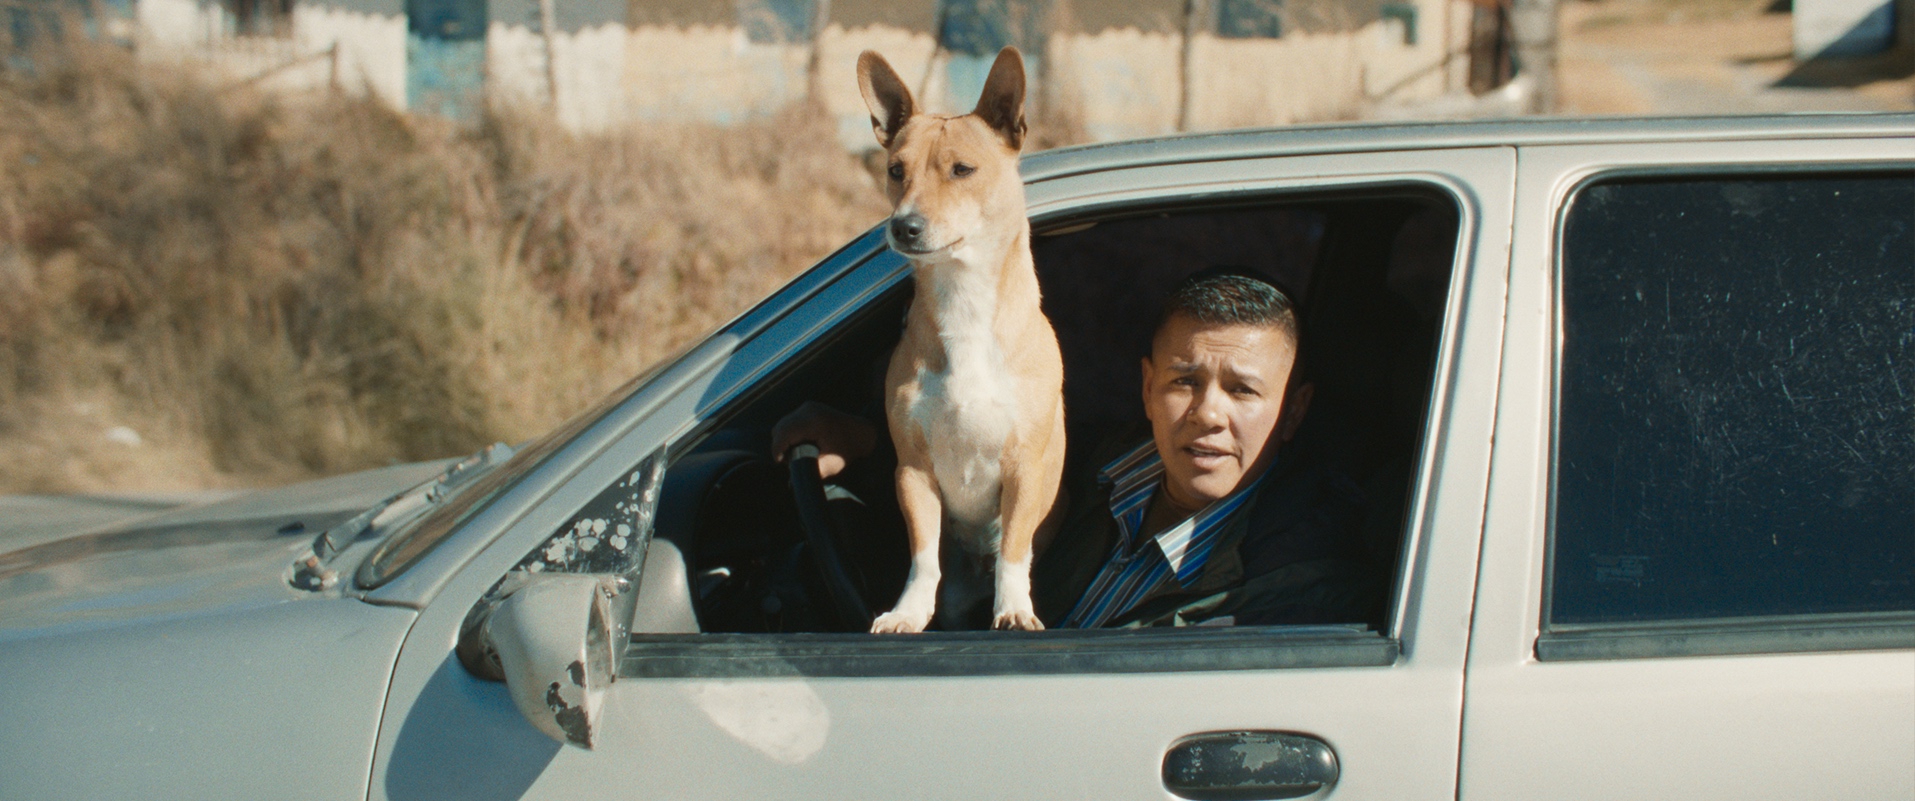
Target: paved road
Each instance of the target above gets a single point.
(1750, 89)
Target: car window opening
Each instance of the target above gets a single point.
(1370, 279)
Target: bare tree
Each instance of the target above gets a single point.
(931, 61)
(548, 26)
(814, 66)
(1196, 14)
(1533, 29)
(1058, 116)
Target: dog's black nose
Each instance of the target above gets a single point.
(908, 228)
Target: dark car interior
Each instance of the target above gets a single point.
(1369, 273)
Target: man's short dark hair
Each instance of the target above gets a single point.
(1230, 296)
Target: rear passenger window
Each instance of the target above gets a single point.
(1736, 402)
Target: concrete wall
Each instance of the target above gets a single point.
(1117, 73)
(1127, 78)
(372, 52)
(370, 35)
(1112, 66)
(588, 59)
(1842, 27)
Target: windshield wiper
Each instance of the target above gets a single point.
(310, 573)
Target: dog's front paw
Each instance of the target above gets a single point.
(1017, 620)
(899, 622)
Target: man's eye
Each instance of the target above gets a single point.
(896, 172)
(961, 169)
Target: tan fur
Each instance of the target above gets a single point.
(975, 386)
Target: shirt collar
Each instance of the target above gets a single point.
(1133, 478)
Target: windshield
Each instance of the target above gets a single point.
(410, 544)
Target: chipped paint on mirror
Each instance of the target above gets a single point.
(609, 534)
(606, 538)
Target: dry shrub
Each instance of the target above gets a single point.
(270, 288)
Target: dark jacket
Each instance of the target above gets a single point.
(1293, 555)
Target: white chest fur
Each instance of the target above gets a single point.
(967, 410)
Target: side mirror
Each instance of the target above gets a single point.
(555, 627)
(557, 642)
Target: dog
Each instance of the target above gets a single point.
(974, 391)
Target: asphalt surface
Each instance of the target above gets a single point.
(1749, 90)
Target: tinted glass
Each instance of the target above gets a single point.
(1735, 426)
(411, 544)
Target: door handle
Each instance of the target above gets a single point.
(1248, 766)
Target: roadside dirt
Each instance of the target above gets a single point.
(1711, 57)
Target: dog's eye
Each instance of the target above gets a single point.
(961, 169)
(896, 172)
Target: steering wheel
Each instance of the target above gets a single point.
(821, 536)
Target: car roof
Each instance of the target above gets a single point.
(1363, 137)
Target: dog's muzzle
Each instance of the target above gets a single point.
(907, 232)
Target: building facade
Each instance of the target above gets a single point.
(1108, 69)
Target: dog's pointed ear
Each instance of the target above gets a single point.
(885, 95)
(1001, 106)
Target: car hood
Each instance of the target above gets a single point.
(169, 658)
(210, 559)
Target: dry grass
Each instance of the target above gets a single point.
(266, 289)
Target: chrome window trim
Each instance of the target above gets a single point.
(1382, 138)
(1418, 511)
(892, 271)
(991, 653)
(1772, 634)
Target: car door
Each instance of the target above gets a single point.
(992, 715)
(1696, 580)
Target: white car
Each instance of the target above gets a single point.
(1629, 406)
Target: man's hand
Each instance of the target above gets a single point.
(840, 437)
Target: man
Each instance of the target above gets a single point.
(1201, 521)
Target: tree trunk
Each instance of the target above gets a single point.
(931, 61)
(548, 23)
(1533, 27)
(1905, 25)
(1194, 17)
(814, 66)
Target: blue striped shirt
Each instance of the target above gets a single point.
(1134, 569)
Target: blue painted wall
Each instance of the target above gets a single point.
(972, 31)
(445, 57)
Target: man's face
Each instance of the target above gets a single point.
(1214, 395)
